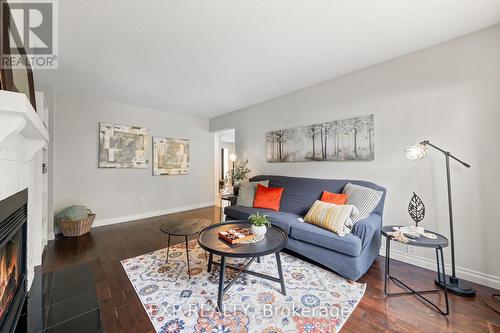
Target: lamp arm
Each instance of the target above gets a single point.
(428, 143)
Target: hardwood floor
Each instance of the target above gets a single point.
(122, 311)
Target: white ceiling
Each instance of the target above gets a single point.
(207, 58)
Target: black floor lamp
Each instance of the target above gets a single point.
(415, 152)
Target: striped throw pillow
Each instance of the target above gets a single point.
(363, 198)
(331, 216)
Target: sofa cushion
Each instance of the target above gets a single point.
(332, 217)
(268, 197)
(349, 244)
(282, 220)
(364, 198)
(334, 198)
(246, 194)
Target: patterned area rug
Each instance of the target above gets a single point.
(317, 300)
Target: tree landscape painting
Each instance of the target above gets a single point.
(339, 140)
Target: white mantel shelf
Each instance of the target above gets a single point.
(18, 115)
(22, 138)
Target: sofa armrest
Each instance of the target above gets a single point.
(366, 228)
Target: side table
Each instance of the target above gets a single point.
(231, 198)
(184, 228)
(438, 244)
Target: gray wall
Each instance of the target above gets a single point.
(450, 94)
(117, 195)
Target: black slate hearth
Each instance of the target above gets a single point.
(62, 301)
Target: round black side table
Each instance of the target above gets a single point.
(438, 244)
(274, 242)
(184, 228)
(231, 198)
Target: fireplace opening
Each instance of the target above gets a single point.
(10, 272)
(13, 223)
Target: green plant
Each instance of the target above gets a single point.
(259, 220)
(240, 171)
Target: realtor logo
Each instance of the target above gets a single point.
(36, 23)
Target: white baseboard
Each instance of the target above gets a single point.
(51, 236)
(128, 218)
(463, 273)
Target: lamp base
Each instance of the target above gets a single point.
(456, 287)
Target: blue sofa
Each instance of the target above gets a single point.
(351, 255)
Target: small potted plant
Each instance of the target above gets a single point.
(259, 224)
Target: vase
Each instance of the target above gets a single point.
(236, 188)
(259, 230)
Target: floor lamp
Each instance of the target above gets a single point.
(415, 152)
(233, 157)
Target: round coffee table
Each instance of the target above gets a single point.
(274, 242)
(184, 228)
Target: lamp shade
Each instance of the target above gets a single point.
(233, 157)
(415, 151)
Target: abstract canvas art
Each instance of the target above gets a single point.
(170, 156)
(123, 146)
(339, 140)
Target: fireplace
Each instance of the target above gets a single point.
(13, 222)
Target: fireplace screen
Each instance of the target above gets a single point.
(13, 230)
(10, 271)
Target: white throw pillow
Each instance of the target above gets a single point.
(246, 193)
(363, 198)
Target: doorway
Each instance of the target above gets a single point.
(225, 155)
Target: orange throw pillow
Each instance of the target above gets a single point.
(334, 198)
(268, 197)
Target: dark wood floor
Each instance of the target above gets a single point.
(122, 311)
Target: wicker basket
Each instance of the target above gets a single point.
(72, 228)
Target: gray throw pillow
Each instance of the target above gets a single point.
(363, 198)
(246, 193)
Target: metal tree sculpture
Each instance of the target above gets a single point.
(416, 209)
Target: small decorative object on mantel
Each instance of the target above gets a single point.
(259, 224)
(416, 209)
(75, 220)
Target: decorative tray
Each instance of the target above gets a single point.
(237, 235)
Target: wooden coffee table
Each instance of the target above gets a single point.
(274, 242)
(184, 228)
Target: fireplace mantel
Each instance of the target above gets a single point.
(17, 116)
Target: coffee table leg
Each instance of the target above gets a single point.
(280, 272)
(187, 254)
(258, 260)
(210, 260)
(220, 295)
(168, 249)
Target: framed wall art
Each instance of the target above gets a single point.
(339, 140)
(123, 146)
(170, 156)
